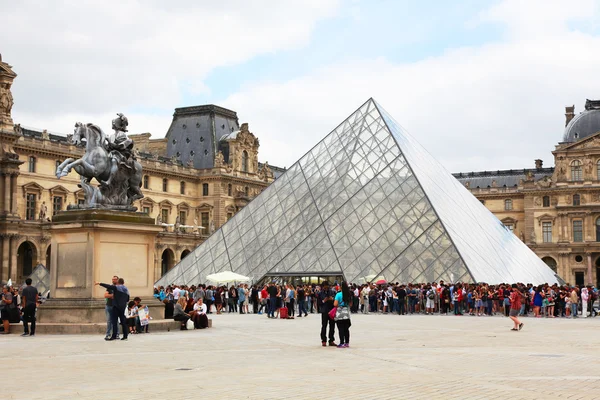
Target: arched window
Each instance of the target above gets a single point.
(244, 161)
(205, 189)
(551, 262)
(32, 162)
(165, 182)
(508, 204)
(146, 181)
(182, 187)
(229, 190)
(576, 200)
(247, 191)
(546, 201)
(576, 171)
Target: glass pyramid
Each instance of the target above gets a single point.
(40, 278)
(367, 202)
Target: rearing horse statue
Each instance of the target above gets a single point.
(119, 176)
(95, 163)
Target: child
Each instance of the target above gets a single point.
(131, 313)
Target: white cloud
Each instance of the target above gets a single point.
(495, 106)
(86, 58)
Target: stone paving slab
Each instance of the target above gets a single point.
(252, 357)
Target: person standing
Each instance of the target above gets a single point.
(343, 302)
(108, 295)
(120, 300)
(29, 301)
(290, 301)
(241, 298)
(254, 299)
(515, 308)
(5, 305)
(301, 301)
(272, 290)
(208, 298)
(326, 298)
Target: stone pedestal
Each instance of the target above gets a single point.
(93, 245)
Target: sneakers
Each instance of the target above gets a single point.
(324, 344)
(332, 344)
(25, 334)
(124, 338)
(341, 346)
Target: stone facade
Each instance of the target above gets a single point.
(177, 194)
(555, 211)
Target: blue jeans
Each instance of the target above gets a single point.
(395, 305)
(574, 310)
(302, 307)
(107, 312)
(272, 305)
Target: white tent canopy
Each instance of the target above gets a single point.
(226, 277)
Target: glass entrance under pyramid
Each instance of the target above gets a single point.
(367, 202)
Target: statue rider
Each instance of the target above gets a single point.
(120, 143)
(120, 147)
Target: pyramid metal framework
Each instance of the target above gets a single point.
(366, 202)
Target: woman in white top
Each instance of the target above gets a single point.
(199, 315)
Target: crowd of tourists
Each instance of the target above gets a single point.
(549, 301)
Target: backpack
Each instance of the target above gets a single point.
(431, 295)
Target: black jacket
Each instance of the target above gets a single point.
(120, 295)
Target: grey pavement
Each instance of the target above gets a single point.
(252, 357)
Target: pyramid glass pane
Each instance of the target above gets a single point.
(367, 202)
(491, 252)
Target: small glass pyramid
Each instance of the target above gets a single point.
(40, 278)
(367, 202)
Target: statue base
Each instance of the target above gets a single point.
(92, 246)
(100, 207)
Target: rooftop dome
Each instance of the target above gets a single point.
(584, 124)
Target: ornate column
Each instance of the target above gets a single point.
(13, 256)
(563, 266)
(589, 267)
(4, 268)
(7, 192)
(14, 177)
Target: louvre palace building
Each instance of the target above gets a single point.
(202, 173)
(555, 211)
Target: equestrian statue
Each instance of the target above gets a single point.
(111, 161)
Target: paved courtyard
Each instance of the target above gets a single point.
(252, 357)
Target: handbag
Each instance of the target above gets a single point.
(333, 312)
(342, 313)
(189, 324)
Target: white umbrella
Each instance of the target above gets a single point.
(226, 277)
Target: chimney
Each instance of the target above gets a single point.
(539, 163)
(569, 114)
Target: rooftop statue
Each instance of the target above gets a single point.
(111, 161)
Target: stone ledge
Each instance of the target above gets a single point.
(156, 325)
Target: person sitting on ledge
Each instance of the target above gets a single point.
(131, 315)
(179, 313)
(199, 315)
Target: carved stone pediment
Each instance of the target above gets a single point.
(545, 218)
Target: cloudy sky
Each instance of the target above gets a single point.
(481, 84)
